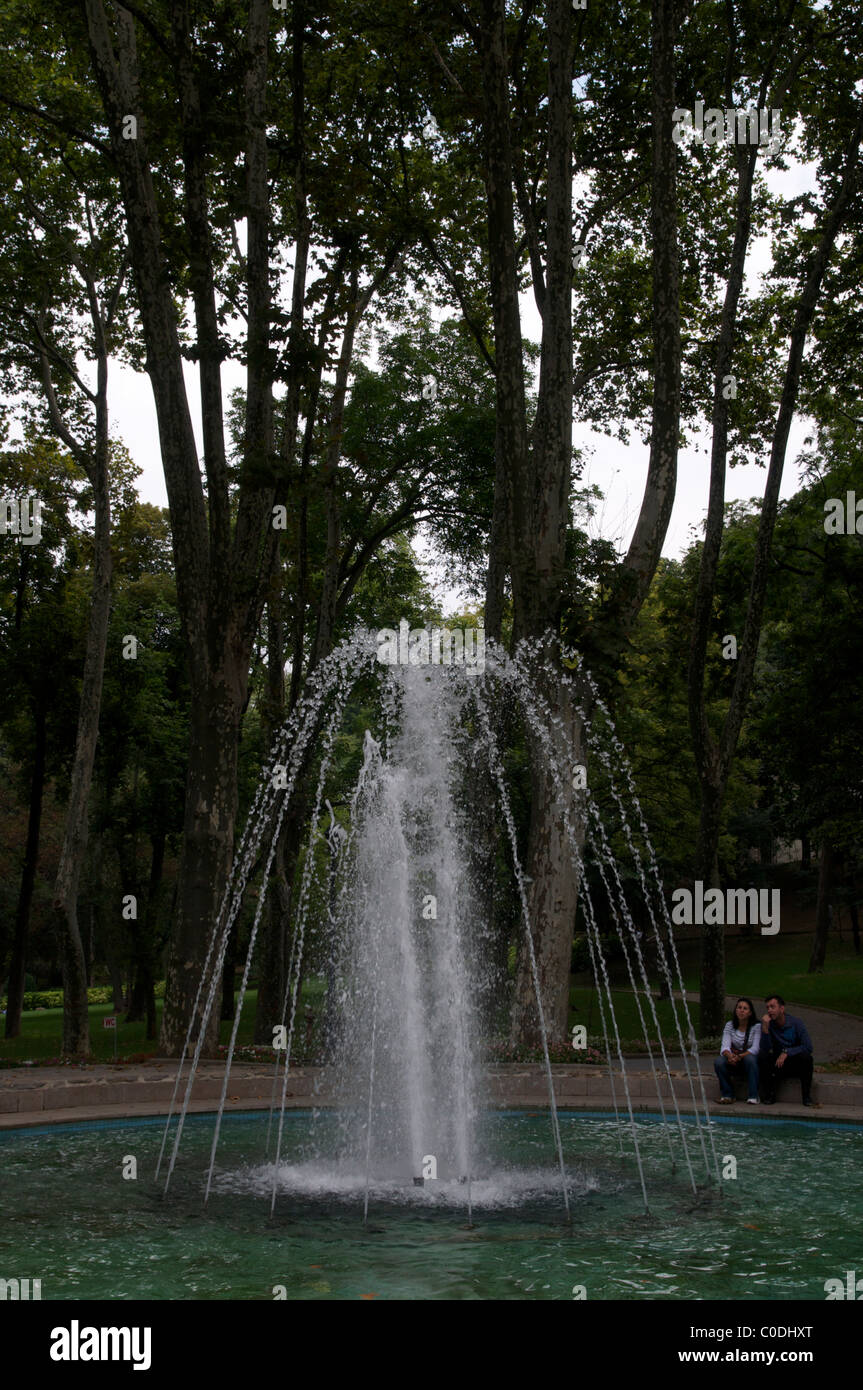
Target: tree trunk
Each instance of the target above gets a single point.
(822, 910)
(221, 576)
(205, 862)
(329, 589)
(499, 546)
(855, 927)
(636, 574)
(272, 937)
(118, 1001)
(331, 1006)
(271, 998)
(76, 1024)
(712, 1006)
(511, 442)
(273, 959)
(142, 1000)
(532, 485)
(229, 970)
(480, 792)
(552, 894)
(17, 967)
(536, 480)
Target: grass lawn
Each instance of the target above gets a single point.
(754, 966)
(584, 1008)
(42, 1031)
(760, 965)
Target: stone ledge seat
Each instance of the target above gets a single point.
(741, 1089)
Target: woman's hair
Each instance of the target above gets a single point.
(752, 1020)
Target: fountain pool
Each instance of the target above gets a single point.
(790, 1220)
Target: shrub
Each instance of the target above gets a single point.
(53, 998)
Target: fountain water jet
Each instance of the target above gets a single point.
(405, 919)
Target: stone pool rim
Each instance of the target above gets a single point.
(96, 1123)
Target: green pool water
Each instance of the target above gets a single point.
(791, 1219)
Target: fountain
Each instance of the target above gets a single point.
(410, 1183)
(407, 949)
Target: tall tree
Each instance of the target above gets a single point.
(787, 47)
(35, 619)
(64, 270)
(225, 543)
(535, 465)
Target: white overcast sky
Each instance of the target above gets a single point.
(618, 470)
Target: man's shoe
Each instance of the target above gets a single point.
(768, 1100)
(808, 1101)
(753, 1100)
(726, 1100)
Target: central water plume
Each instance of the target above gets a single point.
(415, 989)
(406, 923)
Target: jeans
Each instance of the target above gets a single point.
(800, 1065)
(725, 1072)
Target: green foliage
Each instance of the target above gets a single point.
(53, 998)
(807, 718)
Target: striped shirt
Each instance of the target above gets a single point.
(734, 1039)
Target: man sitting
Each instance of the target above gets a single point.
(786, 1050)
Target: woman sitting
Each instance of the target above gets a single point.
(740, 1041)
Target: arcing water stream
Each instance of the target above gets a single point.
(408, 952)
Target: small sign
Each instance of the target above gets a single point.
(110, 1022)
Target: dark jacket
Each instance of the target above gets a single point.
(794, 1029)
